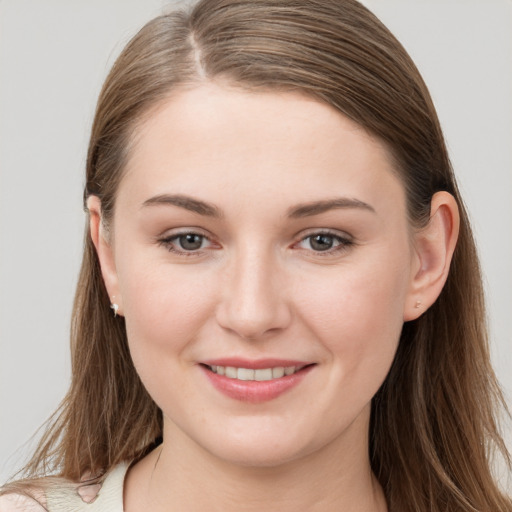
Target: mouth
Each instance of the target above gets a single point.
(255, 382)
(253, 374)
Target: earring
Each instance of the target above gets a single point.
(114, 306)
(418, 304)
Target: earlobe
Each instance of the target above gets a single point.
(105, 253)
(434, 248)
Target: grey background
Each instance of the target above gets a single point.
(54, 55)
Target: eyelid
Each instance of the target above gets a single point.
(346, 241)
(167, 239)
(343, 235)
(192, 230)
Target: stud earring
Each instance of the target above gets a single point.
(418, 304)
(114, 306)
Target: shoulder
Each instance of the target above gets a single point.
(13, 502)
(61, 496)
(105, 495)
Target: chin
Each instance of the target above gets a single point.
(264, 448)
(258, 456)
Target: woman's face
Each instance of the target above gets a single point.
(260, 236)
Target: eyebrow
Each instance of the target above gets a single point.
(317, 207)
(300, 211)
(186, 202)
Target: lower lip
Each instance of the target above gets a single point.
(255, 391)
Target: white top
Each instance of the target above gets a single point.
(109, 497)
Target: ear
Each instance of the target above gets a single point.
(433, 247)
(104, 250)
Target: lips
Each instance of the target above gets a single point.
(255, 381)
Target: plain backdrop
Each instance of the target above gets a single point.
(54, 55)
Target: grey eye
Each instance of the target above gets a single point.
(321, 242)
(190, 241)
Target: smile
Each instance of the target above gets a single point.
(266, 380)
(260, 375)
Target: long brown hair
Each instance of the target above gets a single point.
(434, 421)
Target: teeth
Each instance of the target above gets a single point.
(231, 372)
(260, 375)
(245, 374)
(277, 372)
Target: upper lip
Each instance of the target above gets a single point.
(258, 364)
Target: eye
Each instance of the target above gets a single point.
(325, 242)
(187, 244)
(190, 241)
(321, 242)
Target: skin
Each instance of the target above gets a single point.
(259, 288)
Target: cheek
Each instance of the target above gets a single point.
(357, 313)
(164, 307)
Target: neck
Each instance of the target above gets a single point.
(180, 475)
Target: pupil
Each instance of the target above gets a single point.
(191, 242)
(321, 242)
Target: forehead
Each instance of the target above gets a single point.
(224, 142)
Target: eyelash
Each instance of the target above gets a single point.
(344, 243)
(170, 243)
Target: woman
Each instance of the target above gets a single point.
(280, 303)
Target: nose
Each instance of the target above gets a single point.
(253, 302)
